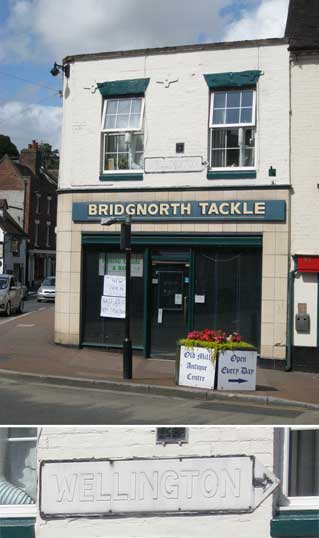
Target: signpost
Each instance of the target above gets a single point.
(153, 486)
(237, 370)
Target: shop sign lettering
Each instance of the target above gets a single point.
(257, 210)
(197, 367)
(172, 485)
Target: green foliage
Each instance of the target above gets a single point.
(216, 345)
(7, 147)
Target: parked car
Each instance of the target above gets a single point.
(11, 295)
(46, 292)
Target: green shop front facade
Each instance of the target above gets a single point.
(198, 260)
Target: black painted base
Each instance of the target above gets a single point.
(305, 359)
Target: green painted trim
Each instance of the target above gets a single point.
(147, 304)
(191, 291)
(121, 177)
(181, 239)
(123, 87)
(232, 80)
(318, 311)
(296, 524)
(109, 346)
(249, 174)
(17, 527)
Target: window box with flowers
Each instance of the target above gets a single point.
(199, 354)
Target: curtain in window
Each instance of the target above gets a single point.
(304, 463)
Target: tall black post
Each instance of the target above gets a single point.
(127, 343)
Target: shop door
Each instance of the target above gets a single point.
(169, 306)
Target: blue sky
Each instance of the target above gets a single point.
(35, 33)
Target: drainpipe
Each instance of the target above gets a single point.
(290, 318)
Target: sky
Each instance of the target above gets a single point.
(36, 33)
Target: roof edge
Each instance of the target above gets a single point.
(174, 49)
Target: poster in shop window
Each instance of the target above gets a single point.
(114, 286)
(112, 307)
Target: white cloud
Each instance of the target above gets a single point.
(24, 123)
(57, 28)
(265, 21)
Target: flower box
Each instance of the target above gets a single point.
(213, 360)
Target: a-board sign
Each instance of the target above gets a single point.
(197, 367)
(237, 370)
(162, 486)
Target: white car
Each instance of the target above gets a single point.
(11, 295)
(46, 292)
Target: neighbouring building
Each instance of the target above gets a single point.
(30, 191)
(302, 30)
(13, 245)
(191, 142)
(152, 482)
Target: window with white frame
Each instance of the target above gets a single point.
(122, 132)
(36, 232)
(37, 202)
(48, 232)
(18, 470)
(301, 467)
(232, 125)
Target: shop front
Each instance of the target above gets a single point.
(211, 260)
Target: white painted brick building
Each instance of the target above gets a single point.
(211, 127)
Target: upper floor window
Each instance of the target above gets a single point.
(15, 247)
(49, 205)
(36, 232)
(301, 467)
(232, 126)
(123, 138)
(18, 480)
(48, 234)
(37, 202)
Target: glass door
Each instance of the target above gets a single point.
(169, 304)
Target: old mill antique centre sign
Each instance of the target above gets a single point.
(153, 486)
(195, 210)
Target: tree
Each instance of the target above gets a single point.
(7, 147)
(50, 157)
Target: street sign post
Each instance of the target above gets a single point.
(153, 486)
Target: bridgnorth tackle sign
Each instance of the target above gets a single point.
(153, 486)
(195, 210)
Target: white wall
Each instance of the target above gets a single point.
(305, 155)
(130, 442)
(178, 113)
(15, 201)
(306, 291)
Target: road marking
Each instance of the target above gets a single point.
(43, 308)
(15, 317)
(26, 325)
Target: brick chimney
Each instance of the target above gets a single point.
(31, 157)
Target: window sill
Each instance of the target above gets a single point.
(231, 174)
(122, 177)
(295, 524)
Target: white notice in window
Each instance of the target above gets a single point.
(114, 286)
(112, 307)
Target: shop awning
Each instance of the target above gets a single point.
(308, 264)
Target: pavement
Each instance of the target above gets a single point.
(27, 350)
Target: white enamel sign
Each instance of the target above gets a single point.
(197, 367)
(237, 370)
(207, 484)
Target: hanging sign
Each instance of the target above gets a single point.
(197, 367)
(153, 486)
(193, 210)
(237, 370)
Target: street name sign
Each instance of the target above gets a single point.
(237, 370)
(153, 486)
